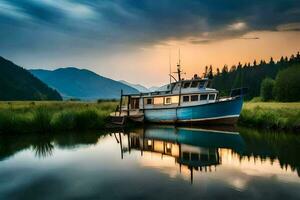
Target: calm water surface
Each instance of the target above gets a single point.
(151, 163)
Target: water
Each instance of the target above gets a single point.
(151, 163)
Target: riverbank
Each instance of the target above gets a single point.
(20, 117)
(271, 115)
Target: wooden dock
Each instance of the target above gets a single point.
(121, 118)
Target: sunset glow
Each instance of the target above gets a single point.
(133, 40)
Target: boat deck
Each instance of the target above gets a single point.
(120, 118)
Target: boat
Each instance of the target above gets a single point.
(182, 102)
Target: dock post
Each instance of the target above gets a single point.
(128, 103)
(120, 106)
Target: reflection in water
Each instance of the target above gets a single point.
(43, 149)
(195, 149)
(272, 146)
(203, 150)
(42, 146)
(151, 162)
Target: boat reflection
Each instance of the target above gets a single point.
(194, 148)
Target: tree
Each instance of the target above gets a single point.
(233, 68)
(218, 71)
(271, 61)
(262, 62)
(225, 69)
(210, 73)
(239, 66)
(287, 85)
(254, 63)
(205, 72)
(250, 77)
(286, 59)
(281, 60)
(266, 89)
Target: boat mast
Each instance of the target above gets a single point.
(179, 67)
(170, 67)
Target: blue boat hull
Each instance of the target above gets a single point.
(196, 137)
(221, 112)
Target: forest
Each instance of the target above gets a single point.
(283, 74)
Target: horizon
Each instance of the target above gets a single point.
(154, 86)
(124, 40)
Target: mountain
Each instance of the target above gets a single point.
(153, 88)
(82, 84)
(17, 83)
(138, 87)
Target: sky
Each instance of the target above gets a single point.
(136, 40)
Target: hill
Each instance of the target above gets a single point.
(82, 84)
(17, 83)
(138, 87)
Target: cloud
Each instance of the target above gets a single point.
(103, 24)
(9, 10)
(238, 26)
(289, 27)
(250, 38)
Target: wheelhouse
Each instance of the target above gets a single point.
(182, 93)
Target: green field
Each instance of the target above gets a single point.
(18, 117)
(271, 115)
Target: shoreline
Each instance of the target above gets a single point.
(25, 117)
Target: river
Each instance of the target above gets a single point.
(155, 162)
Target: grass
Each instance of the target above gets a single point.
(271, 115)
(18, 117)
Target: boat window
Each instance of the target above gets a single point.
(168, 100)
(177, 86)
(194, 84)
(186, 156)
(186, 85)
(149, 101)
(186, 98)
(175, 99)
(202, 83)
(203, 97)
(194, 97)
(194, 156)
(204, 157)
(211, 97)
(158, 100)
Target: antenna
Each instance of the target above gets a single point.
(178, 66)
(170, 66)
(179, 56)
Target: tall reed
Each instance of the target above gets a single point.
(18, 117)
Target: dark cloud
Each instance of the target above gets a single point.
(250, 38)
(96, 24)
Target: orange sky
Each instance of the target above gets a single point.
(150, 65)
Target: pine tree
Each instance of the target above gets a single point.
(205, 72)
(271, 61)
(254, 63)
(210, 73)
(233, 68)
(218, 72)
(225, 69)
